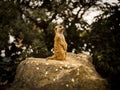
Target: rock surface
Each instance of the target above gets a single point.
(76, 73)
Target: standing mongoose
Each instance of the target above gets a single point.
(60, 45)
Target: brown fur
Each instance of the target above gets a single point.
(60, 45)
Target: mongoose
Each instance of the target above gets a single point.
(60, 45)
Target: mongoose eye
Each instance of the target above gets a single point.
(60, 26)
(55, 29)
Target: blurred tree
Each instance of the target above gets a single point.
(44, 13)
(104, 42)
(36, 19)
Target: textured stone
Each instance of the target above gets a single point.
(76, 73)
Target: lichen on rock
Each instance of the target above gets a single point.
(76, 73)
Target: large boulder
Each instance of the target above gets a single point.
(76, 73)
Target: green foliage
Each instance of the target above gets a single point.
(105, 44)
(6, 16)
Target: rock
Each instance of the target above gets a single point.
(76, 73)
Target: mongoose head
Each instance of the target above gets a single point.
(59, 29)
